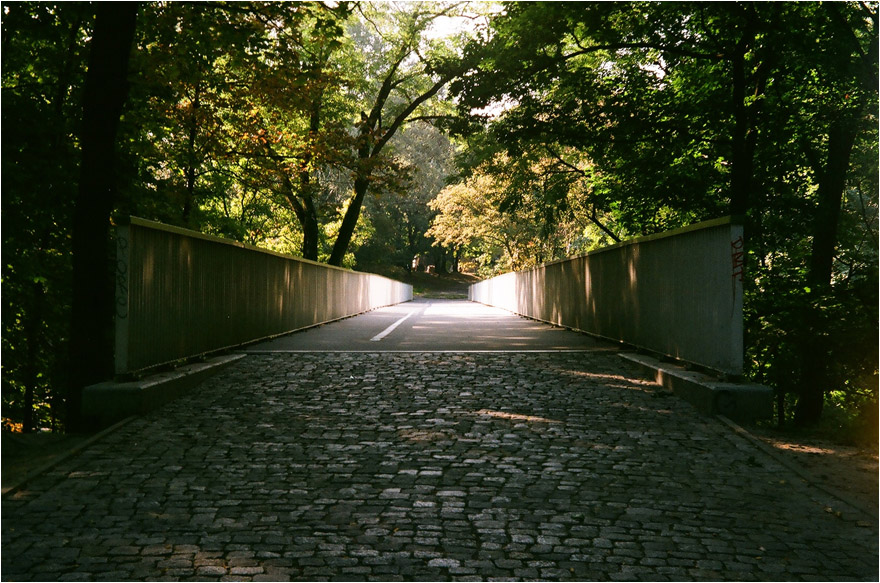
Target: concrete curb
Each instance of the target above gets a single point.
(111, 401)
(62, 457)
(744, 402)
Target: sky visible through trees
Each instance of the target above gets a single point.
(479, 136)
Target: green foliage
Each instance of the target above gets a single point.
(508, 214)
(632, 119)
(43, 66)
(399, 212)
(312, 128)
(220, 126)
(680, 112)
(241, 122)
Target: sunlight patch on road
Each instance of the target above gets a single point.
(515, 416)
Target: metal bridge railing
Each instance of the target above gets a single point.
(180, 294)
(677, 293)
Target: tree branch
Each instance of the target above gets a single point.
(559, 159)
(402, 117)
(595, 218)
(430, 117)
(663, 48)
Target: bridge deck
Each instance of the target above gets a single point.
(434, 325)
(555, 465)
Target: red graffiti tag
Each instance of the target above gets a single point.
(737, 255)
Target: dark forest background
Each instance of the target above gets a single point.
(368, 135)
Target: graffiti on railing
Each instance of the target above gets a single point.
(737, 255)
(121, 276)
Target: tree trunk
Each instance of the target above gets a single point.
(105, 92)
(33, 325)
(192, 162)
(65, 74)
(304, 209)
(369, 147)
(832, 183)
(747, 82)
(740, 177)
(309, 223)
(349, 221)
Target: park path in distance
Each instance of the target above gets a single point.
(551, 464)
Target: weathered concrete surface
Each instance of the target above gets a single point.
(394, 466)
(745, 402)
(112, 401)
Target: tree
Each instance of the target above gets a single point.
(846, 65)
(43, 63)
(401, 215)
(507, 214)
(409, 71)
(298, 113)
(105, 91)
(688, 111)
(227, 96)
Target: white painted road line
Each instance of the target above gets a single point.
(390, 328)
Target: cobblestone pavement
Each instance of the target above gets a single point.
(554, 466)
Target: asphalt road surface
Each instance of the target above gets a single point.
(433, 326)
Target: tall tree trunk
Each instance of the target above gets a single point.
(304, 208)
(192, 162)
(106, 89)
(740, 162)
(832, 183)
(33, 324)
(311, 233)
(65, 74)
(748, 81)
(309, 220)
(349, 221)
(369, 148)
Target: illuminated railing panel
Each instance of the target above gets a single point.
(180, 294)
(677, 293)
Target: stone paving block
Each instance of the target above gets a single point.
(395, 466)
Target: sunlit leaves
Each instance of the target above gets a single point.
(685, 111)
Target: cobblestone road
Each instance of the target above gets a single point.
(556, 466)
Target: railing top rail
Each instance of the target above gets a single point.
(139, 222)
(729, 220)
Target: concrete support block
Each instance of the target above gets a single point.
(112, 401)
(743, 402)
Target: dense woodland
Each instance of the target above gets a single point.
(483, 136)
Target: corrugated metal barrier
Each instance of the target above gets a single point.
(677, 293)
(180, 294)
